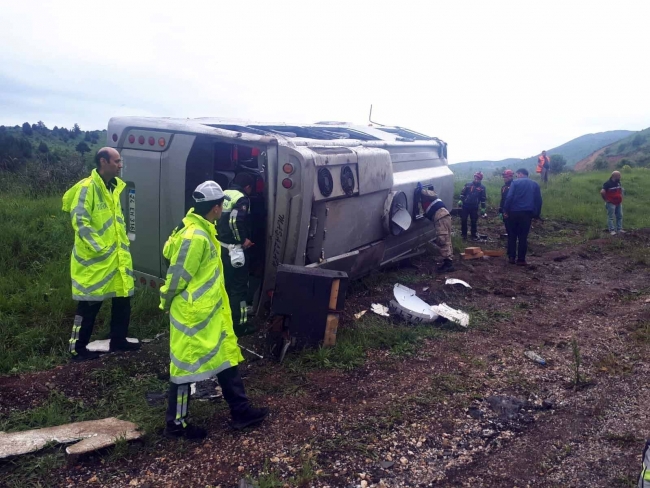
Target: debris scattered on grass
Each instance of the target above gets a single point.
(380, 309)
(93, 435)
(408, 306)
(533, 356)
(357, 316)
(454, 281)
(157, 336)
(105, 345)
(456, 316)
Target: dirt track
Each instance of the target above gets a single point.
(427, 420)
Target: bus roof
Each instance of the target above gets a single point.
(297, 133)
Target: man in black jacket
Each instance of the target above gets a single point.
(233, 232)
(472, 196)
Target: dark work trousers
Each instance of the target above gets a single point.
(518, 229)
(84, 321)
(232, 388)
(472, 213)
(236, 288)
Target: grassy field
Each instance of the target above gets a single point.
(575, 197)
(36, 308)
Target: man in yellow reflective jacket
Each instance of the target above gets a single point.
(100, 265)
(202, 341)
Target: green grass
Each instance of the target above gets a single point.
(353, 343)
(36, 308)
(575, 197)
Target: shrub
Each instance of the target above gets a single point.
(27, 129)
(558, 163)
(600, 163)
(626, 169)
(42, 147)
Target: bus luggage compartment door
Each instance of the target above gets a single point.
(141, 207)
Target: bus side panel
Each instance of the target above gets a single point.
(172, 189)
(141, 173)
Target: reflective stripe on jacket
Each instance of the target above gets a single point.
(644, 478)
(233, 226)
(202, 341)
(100, 265)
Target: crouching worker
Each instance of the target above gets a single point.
(202, 341)
(437, 213)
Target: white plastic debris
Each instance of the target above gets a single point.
(408, 306)
(105, 345)
(94, 434)
(157, 336)
(426, 288)
(357, 316)
(444, 310)
(380, 309)
(454, 281)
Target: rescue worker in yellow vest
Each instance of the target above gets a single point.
(100, 265)
(202, 341)
(234, 231)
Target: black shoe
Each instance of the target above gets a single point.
(191, 432)
(84, 355)
(446, 266)
(512, 260)
(244, 329)
(124, 346)
(250, 417)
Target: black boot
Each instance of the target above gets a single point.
(84, 355)
(251, 416)
(124, 346)
(446, 266)
(190, 432)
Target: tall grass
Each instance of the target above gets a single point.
(575, 197)
(36, 308)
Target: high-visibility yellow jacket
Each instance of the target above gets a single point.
(202, 340)
(100, 265)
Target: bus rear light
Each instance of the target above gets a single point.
(114, 137)
(259, 186)
(131, 139)
(161, 142)
(152, 141)
(141, 139)
(255, 152)
(287, 168)
(287, 183)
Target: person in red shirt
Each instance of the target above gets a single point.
(543, 167)
(612, 193)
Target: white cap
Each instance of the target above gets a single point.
(209, 191)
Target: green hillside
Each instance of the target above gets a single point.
(633, 151)
(37, 158)
(573, 151)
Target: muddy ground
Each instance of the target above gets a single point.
(465, 408)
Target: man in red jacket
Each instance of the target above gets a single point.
(612, 193)
(543, 166)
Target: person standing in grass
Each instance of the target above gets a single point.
(543, 167)
(202, 340)
(612, 193)
(100, 265)
(507, 175)
(523, 204)
(472, 196)
(437, 213)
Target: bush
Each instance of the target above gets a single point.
(558, 163)
(626, 169)
(27, 129)
(42, 147)
(600, 163)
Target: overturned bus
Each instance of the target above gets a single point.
(329, 194)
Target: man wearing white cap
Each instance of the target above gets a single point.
(202, 341)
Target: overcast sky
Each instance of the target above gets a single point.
(495, 79)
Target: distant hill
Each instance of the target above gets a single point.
(573, 151)
(632, 151)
